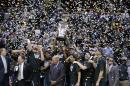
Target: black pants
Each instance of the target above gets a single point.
(22, 83)
(72, 84)
(36, 79)
(88, 82)
(102, 82)
(45, 80)
(5, 81)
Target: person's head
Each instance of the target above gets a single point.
(110, 61)
(87, 56)
(3, 52)
(98, 54)
(72, 59)
(123, 60)
(35, 49)
(56, 59)
(21, 58)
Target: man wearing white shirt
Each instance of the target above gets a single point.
(20, 74)
(24, 71)
(4, 68)
(4, 63)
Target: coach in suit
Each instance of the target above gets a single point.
(22, 71)
(57, 73)
(4, 68)
(113, 74)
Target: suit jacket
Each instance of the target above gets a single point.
(26, 71)
(57, 74)
(2, 68)
(113, 76)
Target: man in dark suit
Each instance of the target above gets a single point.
(4, 68)
(23, 71)
(57, 73)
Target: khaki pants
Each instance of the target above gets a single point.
(124, 83)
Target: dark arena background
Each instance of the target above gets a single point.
(64, 42)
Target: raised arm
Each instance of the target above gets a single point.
(80, 65)
(41, 53)
(17, 51)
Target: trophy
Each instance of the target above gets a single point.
(62, 29)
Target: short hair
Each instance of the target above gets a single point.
(22, 56)
(1, 49)
(56, 57)
(110, 58)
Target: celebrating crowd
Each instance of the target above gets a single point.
(65, 43)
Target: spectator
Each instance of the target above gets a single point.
(108, 51)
